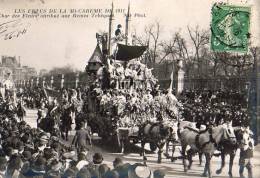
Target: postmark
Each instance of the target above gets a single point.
(230, 28)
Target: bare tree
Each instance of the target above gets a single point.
(233, 64)
(199, 39)
(150, 38)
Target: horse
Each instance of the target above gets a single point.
(206, 142)
(51, 123)
(156, 134)
(66, 120)
(20, 111)
(226, 148)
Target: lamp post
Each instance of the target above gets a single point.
(62, 81)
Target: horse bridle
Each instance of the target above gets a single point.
(211, 139)
(229, 137)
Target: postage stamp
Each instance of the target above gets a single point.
(230, 28)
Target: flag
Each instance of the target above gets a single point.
(126, 53)
(50, 93)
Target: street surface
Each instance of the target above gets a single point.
(172, 169)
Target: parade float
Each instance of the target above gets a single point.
(123, 93)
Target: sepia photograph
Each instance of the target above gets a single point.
(129, 88)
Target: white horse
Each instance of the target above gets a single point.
(204, 141)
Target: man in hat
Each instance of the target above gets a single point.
(93, 167)
(118, 33)
(81, 138)
(246, 154)
(26, 158)
(82, 160)
(121, 168)
(54, 169)
(37, 169)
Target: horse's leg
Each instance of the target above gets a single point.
(142, 148)
(160, 146)
(184, 157)
(167, 149)
(122, 146)
(205, 172)
(200, 158)
(209, 166)
(232, 156)
(222, 163)
(173, 150)
(189, 155)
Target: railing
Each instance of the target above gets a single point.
(75, 80)
(234, 83)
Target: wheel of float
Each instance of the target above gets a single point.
(153, 146)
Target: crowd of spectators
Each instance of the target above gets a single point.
(208, 107)
(31, 152)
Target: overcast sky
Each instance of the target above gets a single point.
(58, 42)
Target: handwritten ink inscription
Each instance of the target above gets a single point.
(13, 29)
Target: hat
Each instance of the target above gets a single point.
(97, 158)
(158, 174)
(27, 155)
(44, 139)
(39, 164)
(83, 173)
(139, 171)
(117, 161)
(69, 155)
(54, 138)
(81, 164)
(55, 165)
(47, 152)
(69, 173)
(142, 171)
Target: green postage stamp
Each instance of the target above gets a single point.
(230, 28)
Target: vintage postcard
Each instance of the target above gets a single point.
(130, 88)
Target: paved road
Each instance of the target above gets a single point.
(173, 170)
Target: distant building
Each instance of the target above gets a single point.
(11, 65)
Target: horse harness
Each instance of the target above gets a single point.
(197, 143)
(153, 125)
(211, 139)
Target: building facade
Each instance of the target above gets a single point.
(12, 65)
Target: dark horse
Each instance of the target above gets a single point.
(51, 122)
(226, 148)
(66, 120)
(156, 134)
(20, 112)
